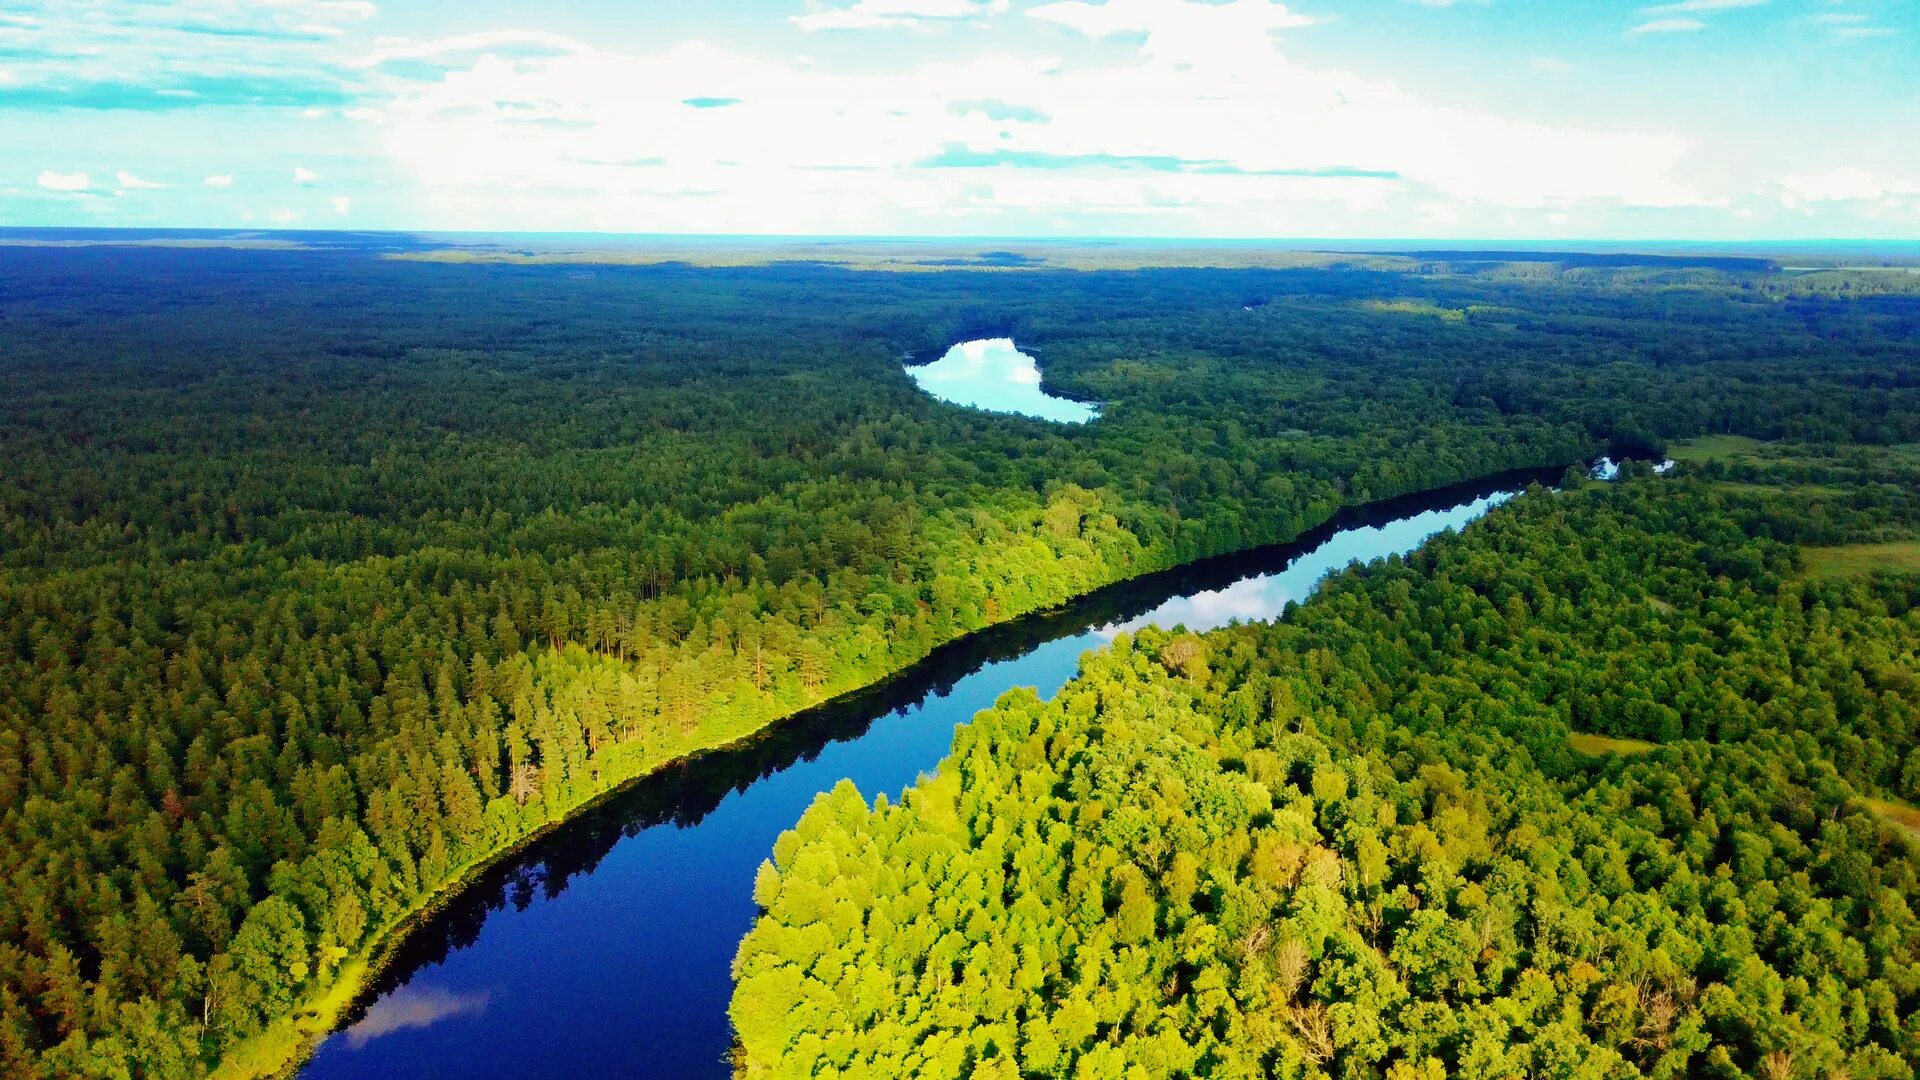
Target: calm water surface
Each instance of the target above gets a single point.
(992, 374)
(604, 949)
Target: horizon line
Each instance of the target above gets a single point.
(1483, 242)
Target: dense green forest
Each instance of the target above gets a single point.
(1369, 841)
(324, 577)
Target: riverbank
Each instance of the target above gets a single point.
(282, 1048)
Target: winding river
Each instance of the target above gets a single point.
(604, 948)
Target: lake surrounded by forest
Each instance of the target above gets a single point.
(605, 948)
(993, 374)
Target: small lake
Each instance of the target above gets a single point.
(992, 374)
(605, 948)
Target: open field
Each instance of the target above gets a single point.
(1416, 307)
(1855, 559)
(1745, 487)
(1715, 448)
(1603, 745)
(1907, 817)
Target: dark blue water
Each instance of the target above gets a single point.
(604, 949)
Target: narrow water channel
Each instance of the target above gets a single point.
(604, 949)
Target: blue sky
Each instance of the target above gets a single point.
(1696, 119)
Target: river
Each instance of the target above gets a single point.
(604, 948)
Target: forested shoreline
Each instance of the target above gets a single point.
(1366, 843)
(325, 578)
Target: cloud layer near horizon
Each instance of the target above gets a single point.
(1206, 120)
(1171, 117)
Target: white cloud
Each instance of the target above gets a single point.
(1852, 26)
(1845, 184)
(54, 181)
(286, 217)
(1695, 7)
(303, 175)
(340, 203)
(149, 55)
(1679, 17)
(1668, 26)
(886, 14)
(1248, 142)
(326, 17)
(473, 45)
(129, 181)
(1182, 26)
(221, 180)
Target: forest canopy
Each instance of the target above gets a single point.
(325, 577)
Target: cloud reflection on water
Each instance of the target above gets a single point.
(413, 1007)
(1265, 596)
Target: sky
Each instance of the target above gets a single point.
(1445, 119)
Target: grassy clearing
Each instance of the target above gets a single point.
(1738, 449)
(1605, 745)
(1853, 560)
(1907, 817)
(1416, 307)
(1742, 487)
(1716, 448)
